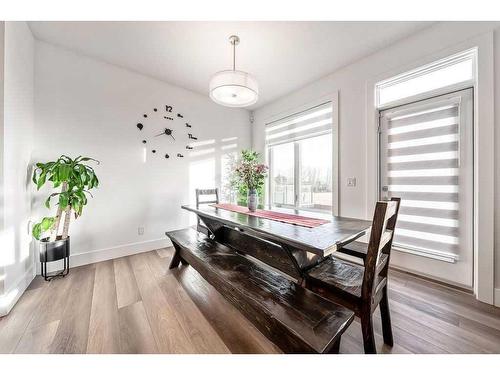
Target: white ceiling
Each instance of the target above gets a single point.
(283, 56)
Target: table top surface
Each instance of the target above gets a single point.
(321, 240)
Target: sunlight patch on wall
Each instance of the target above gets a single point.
(201, 176)
(229, 147)
(202, 143)
(7, 246)
(207, 151)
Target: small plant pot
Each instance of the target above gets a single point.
(253, 200)
(51, 251)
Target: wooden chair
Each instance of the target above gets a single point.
(199, 194)
(363, 288)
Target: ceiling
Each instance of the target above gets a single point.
(283, 56)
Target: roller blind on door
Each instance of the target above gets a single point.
(426, 159)
(310, 123)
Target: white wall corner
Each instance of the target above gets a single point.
(9, 298)
(497, 297)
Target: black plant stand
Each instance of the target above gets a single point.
(54, 251)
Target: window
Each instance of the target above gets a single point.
(446, 72)
(426, 146)
(300, 159)
(282, 177)
(316, 173)
(426, 159)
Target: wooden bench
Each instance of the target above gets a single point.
(294, 318)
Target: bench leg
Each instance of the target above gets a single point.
(176, 259)
(368, 335)
(336, 347)
(386, 318)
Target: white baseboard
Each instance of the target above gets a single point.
(497, 297)
(9, 298)
(101, 255)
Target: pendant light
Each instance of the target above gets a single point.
(234, 88)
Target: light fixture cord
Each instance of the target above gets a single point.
(234, 56)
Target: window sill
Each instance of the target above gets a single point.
(432, 254)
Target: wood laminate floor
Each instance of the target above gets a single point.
(136, 305)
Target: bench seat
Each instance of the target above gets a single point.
(294, 318)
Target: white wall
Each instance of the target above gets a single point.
(2, 57)
(87, 107)
(16, 256)
(354, 84)
(497, 166)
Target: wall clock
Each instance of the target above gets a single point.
(164, 133)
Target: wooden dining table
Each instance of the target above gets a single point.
(290, 248)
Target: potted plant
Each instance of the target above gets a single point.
(75, 178)
(250, 175)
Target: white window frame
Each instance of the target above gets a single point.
(426, 69)
(333, 99)
(484, 230)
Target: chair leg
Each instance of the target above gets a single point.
(368, 335)
(386, 318)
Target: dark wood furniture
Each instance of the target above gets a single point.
(362, 288)
(292, 249)
(294, 318)
(199, 196)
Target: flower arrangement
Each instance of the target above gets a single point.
(249, 172)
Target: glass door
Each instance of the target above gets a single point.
(426, 158)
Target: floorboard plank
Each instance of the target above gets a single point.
(54, 301)
(73, 330)
(198, 329)
(201, 334)
(14, 325)
(127, 292)
(136, 336)
(104, 329)
(479, 342)
(166, 252)
(168, 333)
(38, 339)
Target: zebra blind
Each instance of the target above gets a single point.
(421, 162)
(309, 123)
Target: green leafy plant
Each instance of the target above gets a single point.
(75, 178)
(249, 174)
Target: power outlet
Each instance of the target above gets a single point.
(140, 231)
(351, 181)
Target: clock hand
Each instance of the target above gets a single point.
(172, 136)
(162, 133)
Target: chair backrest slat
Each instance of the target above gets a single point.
(381, 236)
(201, 193)
(205, 192)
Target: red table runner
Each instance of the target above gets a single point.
(272, 215)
